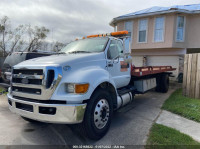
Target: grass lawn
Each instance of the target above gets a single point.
(184, 106)
(2, 89)
(162, 135)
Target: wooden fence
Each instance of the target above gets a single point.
(191, 76)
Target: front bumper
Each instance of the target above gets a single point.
(65, 113)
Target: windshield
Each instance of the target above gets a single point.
(88, 45)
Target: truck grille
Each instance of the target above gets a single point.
(35, 83)
(28, 71)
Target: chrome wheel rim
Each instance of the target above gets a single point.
(101, 114)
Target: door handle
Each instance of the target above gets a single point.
(110, 65)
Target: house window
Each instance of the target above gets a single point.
(142, 30)
(180, 28)
(129, 27)
(159, 29)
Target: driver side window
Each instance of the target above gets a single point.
(115, 49)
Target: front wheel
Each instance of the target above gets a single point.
(98, 115)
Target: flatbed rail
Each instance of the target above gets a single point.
(148, 70)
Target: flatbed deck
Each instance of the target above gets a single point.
(149, 70)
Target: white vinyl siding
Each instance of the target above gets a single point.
(142, 35)
(159, 29)
(180, 31)
(137, 61)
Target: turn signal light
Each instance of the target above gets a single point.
(76, 88)
(81, 88)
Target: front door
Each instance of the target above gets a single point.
(118, 69)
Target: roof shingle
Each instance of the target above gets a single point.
(193, 7)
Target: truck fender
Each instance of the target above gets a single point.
(98, 78)
(95, 76)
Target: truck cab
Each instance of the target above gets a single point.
(83, 84)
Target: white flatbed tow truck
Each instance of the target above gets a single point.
(83, 84)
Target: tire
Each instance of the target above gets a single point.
(164, 83)
(158, 84)
(99, 109)
(30, 120)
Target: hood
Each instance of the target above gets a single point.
(63, 59)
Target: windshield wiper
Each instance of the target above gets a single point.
(80, 52)
(61, 53)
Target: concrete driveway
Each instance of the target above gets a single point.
(130, 125)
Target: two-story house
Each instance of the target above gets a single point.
(162, 35)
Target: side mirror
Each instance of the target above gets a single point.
(127, 50)
(126, 46)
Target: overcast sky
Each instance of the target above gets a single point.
(69, 19)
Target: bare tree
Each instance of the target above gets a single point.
(18, 41)
(58, 46)
(45, 46)
(36, 36)
(21, 38)
(11, 39)
(5, 34)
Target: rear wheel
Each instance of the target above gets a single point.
(162, 82)
(98, 115)
(158, 84)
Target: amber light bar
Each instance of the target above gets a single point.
(120, 33)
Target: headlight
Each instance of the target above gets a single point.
(76, 88)
(70, 88)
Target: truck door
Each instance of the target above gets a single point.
(118, 69)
